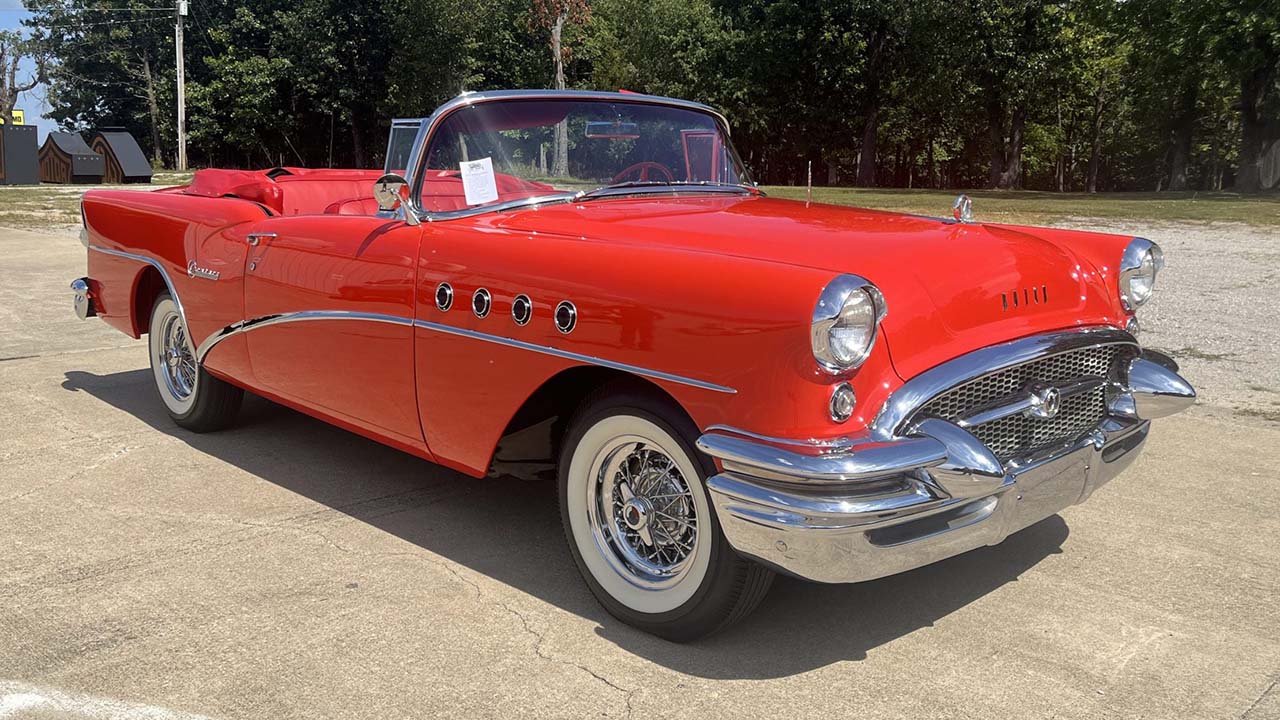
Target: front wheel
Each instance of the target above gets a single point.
(195, 399)
(639, 524)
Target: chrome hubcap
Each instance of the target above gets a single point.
(179, 363)
(635, 512)
(643, 512)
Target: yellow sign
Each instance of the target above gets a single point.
(19, 117)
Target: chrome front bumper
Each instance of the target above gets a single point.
(873, 507)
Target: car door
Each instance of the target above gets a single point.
(330, 300)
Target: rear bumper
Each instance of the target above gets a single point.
(881, 506)
(82, 299)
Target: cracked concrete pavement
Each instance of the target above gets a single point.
(288, 569)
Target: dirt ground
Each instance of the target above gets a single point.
(287, 569)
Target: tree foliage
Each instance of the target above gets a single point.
(1048, 94)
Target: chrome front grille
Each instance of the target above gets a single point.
(1021, 434)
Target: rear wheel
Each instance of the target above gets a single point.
(639, 522)
(195, 400)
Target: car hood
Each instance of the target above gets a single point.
(950, 288)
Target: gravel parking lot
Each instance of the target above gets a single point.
(289, 569)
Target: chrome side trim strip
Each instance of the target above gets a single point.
(301, 316)
(164, 274)
(313, 315)
(578, 357)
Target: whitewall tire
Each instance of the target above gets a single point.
(193, 398)
(639, 522)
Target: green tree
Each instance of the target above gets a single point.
(112, 65)
(13, 49)
(1246, 38)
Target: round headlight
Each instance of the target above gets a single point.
(1138, 267)
(844, 323)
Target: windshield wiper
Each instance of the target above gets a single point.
(609, 190)
(604, 189)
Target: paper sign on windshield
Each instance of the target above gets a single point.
(478, 184)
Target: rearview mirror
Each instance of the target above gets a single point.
(604, 130)
(392, 192)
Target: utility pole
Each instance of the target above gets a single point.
(181, 12)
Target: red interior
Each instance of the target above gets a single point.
(442, 190)
(301, 191)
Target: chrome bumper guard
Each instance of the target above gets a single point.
(926, 491)
(82, 299)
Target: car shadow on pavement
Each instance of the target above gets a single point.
(509, 530)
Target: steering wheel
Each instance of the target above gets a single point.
(641, 170)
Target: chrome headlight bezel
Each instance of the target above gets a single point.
(844, 292)
(1141, 257)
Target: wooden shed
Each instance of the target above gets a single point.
(18, 164)
(123, 159)
(65, 158)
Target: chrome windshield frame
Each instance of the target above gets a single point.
(428, 127)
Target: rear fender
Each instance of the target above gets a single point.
(142, 242)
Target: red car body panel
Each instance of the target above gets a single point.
(362, 372)
(944, 280)
(708, 296)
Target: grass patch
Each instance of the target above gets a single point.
(1031, 207)
(57, 207)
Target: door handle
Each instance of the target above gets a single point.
(255, 238)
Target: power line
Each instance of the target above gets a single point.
(96, 10)
(96, 23)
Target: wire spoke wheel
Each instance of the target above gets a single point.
(195, 400)
(176, 358)
(640, 522)
(643, 511)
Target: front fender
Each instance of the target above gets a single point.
(727, 337)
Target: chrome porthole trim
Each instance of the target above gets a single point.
(444, 297)
(566, 317)
(522, 309)
(481, 302)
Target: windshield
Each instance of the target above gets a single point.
(493, 153)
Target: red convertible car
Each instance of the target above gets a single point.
(730, 385)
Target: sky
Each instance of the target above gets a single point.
(11, 16)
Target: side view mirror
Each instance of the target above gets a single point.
(392, 192)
